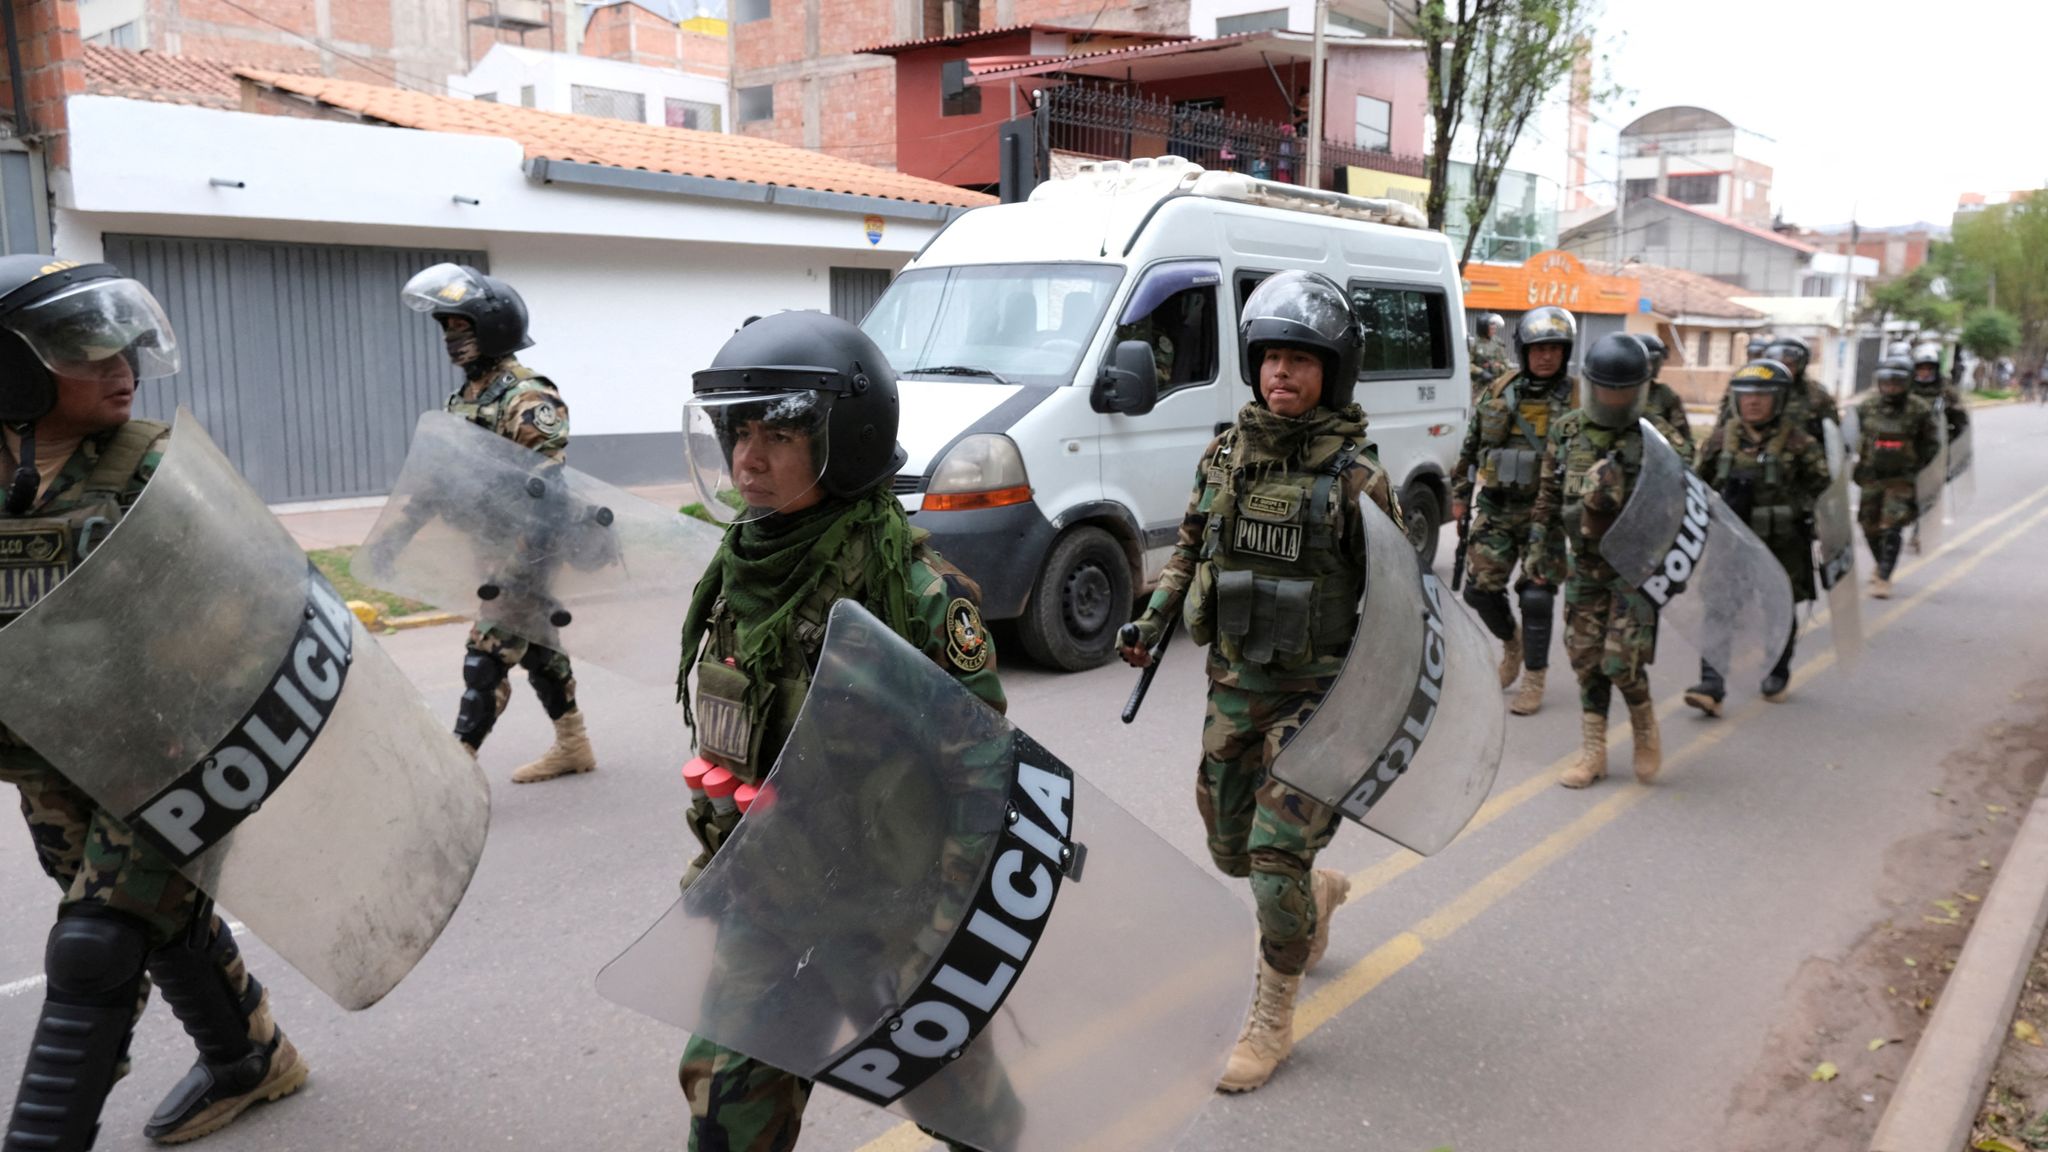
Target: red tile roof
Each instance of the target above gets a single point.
(1011, 29)
(1753, 230)
(154, 76)
(620, 144)
(1677, 292)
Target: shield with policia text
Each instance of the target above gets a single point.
(1834, 527)
(1710, 578)
(1962, 477)
(1930, 524)
(1408, 739)
(202, 681)
(926, 909)
(481, 526)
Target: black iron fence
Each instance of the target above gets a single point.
(1102, 123)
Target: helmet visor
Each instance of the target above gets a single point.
(1615, 408)
(1748, 394)
(753, 454)
(442, 288)
(1312, 310)
(81, 330)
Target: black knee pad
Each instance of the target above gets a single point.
(478, 711)
(1492, 609)
(95, 956)
(191, 973)
(1539, 602)
(553, 690)
(1596, 697)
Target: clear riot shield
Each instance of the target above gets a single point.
(926, 909)
(195, 668)
(1835, 535)
(1409, 738)
(1930, 520)
(1710, 578)
(479, 525)
(1962, 477)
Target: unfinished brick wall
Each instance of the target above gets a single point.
(53, 70)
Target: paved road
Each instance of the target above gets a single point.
(1582, 970)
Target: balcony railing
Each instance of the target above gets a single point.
(1102, 123)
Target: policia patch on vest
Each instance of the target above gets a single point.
(33, 560)
(199, 809)
(979, 966)
(966, 637)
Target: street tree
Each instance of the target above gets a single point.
(1991, 333)
(2005, 248)
(1913, 298)
(1491, 65)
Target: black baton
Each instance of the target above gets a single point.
(1127, 636)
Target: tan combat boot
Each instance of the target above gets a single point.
(1330, 888)
(1511, 659)
(192, 1111)
(1880, 588)
(1268, 1035)
(1642, 722)
(1592, 762)
(569, 753)
(1530, 699)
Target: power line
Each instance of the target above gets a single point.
(323, 46)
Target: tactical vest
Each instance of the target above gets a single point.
(1512, 431)
(37, 552)
(1590, 446)
(1273, 588)
(1888, 445)
(489, 406)
(1752, 486)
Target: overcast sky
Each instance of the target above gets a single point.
(1884, 109)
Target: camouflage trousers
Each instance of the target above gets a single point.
(1258, 827)
(1886, 507)
(1499, 540)
(739, 1104)
(1610, 635)
(546, 669)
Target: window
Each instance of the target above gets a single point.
(127, 36)
(1029, 322)
(756, 103)
(1352, 24)
(485, 97)
(526, 95)
(1406, 330)
(693, 114)
(1272, 20)
(609, 103)
(748, 11)
(1174, 311)
(1703, 189)
(956, 96)
(1639, 189)
(1373, 120)
(1706, 349)
(951, 17)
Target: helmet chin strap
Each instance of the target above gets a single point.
(21, 490)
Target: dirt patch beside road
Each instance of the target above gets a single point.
(1849, 1023)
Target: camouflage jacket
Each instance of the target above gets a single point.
(1664, 402)
(1772, 476)
(1578, 500)
(1893, 442)
(97, 484)
(1504, 422)
(519, 404)
(1489, 363)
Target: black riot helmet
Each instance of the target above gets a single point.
(1490, 325)
(1655, 347)
(1546, 325)
(1894, 377)
(1617, 379)
(493, 308)
(1762, 377)
(1790, 351)
(1305, 310)
(1926, 370)
(805, 372)
(1757, 343)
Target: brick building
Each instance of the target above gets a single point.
(800, 78)
(634, 33)
(1897, 250)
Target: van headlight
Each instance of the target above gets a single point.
(983, 471)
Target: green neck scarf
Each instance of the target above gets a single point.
(767, 569)
(1267, 439)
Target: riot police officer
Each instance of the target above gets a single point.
(1268, 572)
(75, 339)
(1663, 399)
(1897, 435)
(1809, 404)
(798, 459)
(1488, 359)
(1594, 454)
(1503, 446)
(1755, 348)
(1929, 386)
(1769, 472)
(483, 322)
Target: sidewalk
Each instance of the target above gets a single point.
(345, 527)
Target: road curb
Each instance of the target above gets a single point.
(423, 620)
(1942, 1090)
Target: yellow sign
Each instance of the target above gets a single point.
(1552, 277)
(1387, 186)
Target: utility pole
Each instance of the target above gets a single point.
(1315, 100)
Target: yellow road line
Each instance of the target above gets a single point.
(1389, 958)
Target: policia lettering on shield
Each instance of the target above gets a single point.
(1268, 572)
(74, 341)
(792, 441)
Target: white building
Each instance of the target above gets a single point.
(1211, 18)
(278, 244)
(587, 86)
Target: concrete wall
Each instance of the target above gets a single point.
(1660, 234)
(552, 74)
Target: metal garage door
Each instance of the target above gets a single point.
(299, 358)
(855, 290)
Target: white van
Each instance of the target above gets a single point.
(1051, 462)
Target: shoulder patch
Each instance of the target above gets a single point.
(967, 645)
(546, 416)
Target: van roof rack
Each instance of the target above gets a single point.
(1168, 175)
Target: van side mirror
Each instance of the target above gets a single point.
(1129, 383)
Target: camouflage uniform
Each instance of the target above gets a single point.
(1664, 402)
(738, 1103)
(514, 402)
(1610, 627)
(1895, 440)
(1807, 404)
(1772, 477)
(1490, 361)
(1258, 827)
(1505, 443)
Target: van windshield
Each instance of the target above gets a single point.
(996, 323)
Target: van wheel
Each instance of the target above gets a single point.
(1423, 515)
(1082, 597)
